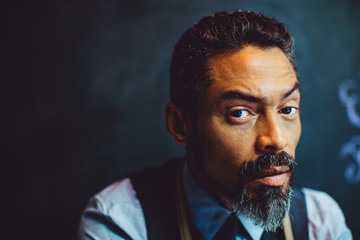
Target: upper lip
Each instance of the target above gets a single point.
(273, 170)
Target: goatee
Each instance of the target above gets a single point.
(267, 209)
(269, 205)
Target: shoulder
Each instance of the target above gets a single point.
(325, 217)
(117, 194)
(114, 213)
(319, 202)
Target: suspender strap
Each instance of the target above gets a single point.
(287, 228)
(184, 226)
(298, 216)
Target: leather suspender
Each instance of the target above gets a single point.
(184, 227)
(287, 228)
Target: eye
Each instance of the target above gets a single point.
(288, 110)
(240, 113)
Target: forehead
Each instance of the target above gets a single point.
(259, 72)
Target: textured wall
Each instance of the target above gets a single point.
(85, 85)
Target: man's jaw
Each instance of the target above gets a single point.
(272, 171)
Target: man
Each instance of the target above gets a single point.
(235, 108)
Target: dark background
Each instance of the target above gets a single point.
(84, 85)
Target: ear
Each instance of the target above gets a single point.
(177, 123)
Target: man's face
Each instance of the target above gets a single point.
(250, 109)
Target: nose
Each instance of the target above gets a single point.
(271, 137)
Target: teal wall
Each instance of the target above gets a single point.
(85, 85)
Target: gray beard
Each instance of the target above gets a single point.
(268, 208)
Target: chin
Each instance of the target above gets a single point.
(266, 205)
(260, 192)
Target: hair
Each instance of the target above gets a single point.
(220, 33)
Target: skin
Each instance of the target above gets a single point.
(251, 108)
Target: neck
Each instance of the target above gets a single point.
(207, 183)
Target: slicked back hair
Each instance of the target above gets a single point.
(220, 33)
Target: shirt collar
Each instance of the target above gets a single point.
(207, 214)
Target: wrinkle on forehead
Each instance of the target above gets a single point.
(253, 69)
(241, 62)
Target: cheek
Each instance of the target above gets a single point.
(293, 134)
(228, 143)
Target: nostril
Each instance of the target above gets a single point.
(271, 147)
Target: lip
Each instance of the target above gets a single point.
(273, 176)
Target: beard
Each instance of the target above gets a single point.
(267, 209)
(267, 206)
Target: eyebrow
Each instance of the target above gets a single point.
(293, 89)
(250, 98)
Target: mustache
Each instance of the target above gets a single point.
(252, 168)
